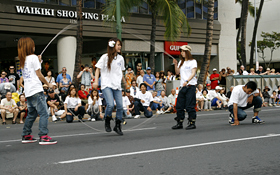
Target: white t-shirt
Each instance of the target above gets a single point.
(126, 102)
(186, 71)
(97, 102)
(139, 80)
(132, 91)
(239, 96)
(147, 97)
(72, 102)
(32, 84)
(112, 78)
(156, 99)
(212, 94)
(9, 104)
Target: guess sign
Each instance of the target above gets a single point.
(172, 48)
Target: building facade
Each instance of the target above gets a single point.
(44, 19)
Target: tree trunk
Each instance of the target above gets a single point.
(244, 16)
(153, 37)
(79, 50)
(237, 41)
(255, 34)
(208, 43)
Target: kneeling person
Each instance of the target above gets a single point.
(142, 102)
(244, 97)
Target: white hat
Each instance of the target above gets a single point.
(186, 47)
(7, 86)
(214, 69)
(218, 88)
(54, 84)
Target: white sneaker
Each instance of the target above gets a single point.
(93, 119)
(167, 111)
(137, 116)
(162, 112)
(89, 119)
(54, 119)
(158, 112)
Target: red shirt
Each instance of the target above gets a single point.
(214, 83)
(83, 95)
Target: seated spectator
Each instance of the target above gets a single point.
(6, 87)
(266, 95)
(13, 77)
(252, 72)
(126, 104)
(87, 76)
(229, 92)
(207, 101)
(140, 78)
(56, 90)
(95, 106)
(169, 76)
(166, 107)
(273, 98)
(129, 77)
(159, 85)
(131, 100)
(199, 100)
(54, 105)
(22, 106)
(83, 95)
(215, 99)
(223, 98)
(133, 89)
(9, 108)
(60, 77)
(3, 78)
(49, 77)
(45, 88)
(278, 98)
(157, 104)
(73, 105)
(64, 85)
(172, 99)
(143, 101)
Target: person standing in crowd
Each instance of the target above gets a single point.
(3, 78)
(140, 78)
(169, 76)
(133, 89)
(229, 71)
(222, 78)
(64, 86)
(244, 97)
(129, 77)
(243, 70)
(150, 80)
(87, 76)
(13, 77)
(60, 77)
(186, 99)
(8, 106)
(36, 103)
(73, 106)
(252, 71)
(260, 71)
(111, 67)
(214, 78)
(159, 84)
(49, 77)
(143, 101)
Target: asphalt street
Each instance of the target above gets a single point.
(149, 146)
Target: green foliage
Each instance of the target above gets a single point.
(251, 8)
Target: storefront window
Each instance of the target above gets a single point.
(89, 3)
(190, 9)
(65, 2)
(143, 9)
(100, 4)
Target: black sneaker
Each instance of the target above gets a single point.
(257, 120)
(46, 140)
(28, 139)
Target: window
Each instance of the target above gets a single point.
(205, 9)
(52, 1)
(198, 10)
(42, 1)
(89, 3)
(143, 9)
(216, 10)
(190, 8)
(65, 2)
(134, 9)
(182, 5)
(100, 4)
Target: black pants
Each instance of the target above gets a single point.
(139, 107)
(80, 112)
(186, 100)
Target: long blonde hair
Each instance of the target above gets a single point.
(25, 47)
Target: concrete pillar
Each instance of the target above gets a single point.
(66, 53)
(227, 43)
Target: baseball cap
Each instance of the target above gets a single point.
(54, 84)
(218, 88)
(148, 68)
(128, 90)
(51, 91)
(214, 69)
(186, 47)
(208, 84)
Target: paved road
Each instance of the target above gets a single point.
(149, 146)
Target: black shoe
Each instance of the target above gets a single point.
(191, 125)
(28, 139)
(107, 124)
(46, 140)
(179, 124)
(118, 127)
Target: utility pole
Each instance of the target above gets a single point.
(256, 45)
(119, 26)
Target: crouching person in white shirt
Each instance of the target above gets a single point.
(142, 102)
(244, 97)
(95, 106)
(74, 106)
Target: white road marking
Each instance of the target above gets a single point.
(72, 135)
(166, 149)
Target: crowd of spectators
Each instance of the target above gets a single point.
(148, 89)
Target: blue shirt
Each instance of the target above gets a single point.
(59, 77)
(150, 79)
